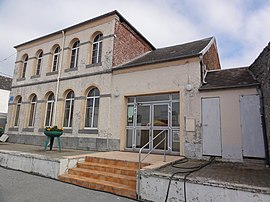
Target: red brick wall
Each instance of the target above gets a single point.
(211, 59)
(127, 44)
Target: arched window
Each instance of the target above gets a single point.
(92, 106)
(39, 61)
(97, 49)
(69, 105)
(74, 54)
(49, 110)
(56, 56)
(33, 106)
(18, 107)
(24, 66)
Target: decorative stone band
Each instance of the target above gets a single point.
(109, 71)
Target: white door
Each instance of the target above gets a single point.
(252, 133)
(211, 126)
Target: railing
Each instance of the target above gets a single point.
(140, 159)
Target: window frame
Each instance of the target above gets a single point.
(97, 48)
(24, 67)
(74, 54)
(52, 103)
(17, 112)
(32, 114)
(95, 98)
(55, 61)
(70, 109)
(39, 63)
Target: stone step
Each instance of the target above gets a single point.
(108, 168)
(97, 184)
(130, 181)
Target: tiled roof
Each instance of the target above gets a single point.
(229, 78)
(5, 83)
(170, 53)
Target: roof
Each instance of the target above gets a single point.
(115, 12)
(5, 83)
(229, 78)
(171, 53)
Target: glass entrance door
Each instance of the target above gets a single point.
(151, 120)
(149, 116)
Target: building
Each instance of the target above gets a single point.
(111, 89)
(5, 87)
(260, 69)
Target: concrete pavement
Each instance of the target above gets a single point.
(17, 186)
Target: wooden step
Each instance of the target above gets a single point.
(112, 187)
(108, 168)
(105, 176)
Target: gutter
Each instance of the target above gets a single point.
(58, 77)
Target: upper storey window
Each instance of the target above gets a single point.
(97, 49)
(24, 67)
(56, 55)
(39, 61)
(74, 54)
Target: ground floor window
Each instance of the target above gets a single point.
(49, 110)
(69, 105)
(153, 117)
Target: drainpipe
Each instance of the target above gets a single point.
(264, 128)
(58, 77)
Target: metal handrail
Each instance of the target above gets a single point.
(140, 152)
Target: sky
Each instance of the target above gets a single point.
(241, 27)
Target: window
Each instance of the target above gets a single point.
(33, 106)
(74, 54)
(39, 60)
(68, 116)
(49, 110)
(24, 66)
(56, 55)
(92, 106)
(18, 107)
(97, 49)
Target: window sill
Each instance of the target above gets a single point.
(67, 130)
(13, 129)
(51, 73)
(94, 65)
(88, 131)
(71, 69)
(34, 76)
(28, 129)
(21, 79)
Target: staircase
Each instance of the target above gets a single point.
(114, 176)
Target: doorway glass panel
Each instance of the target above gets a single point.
(159, 139)
(129, 138)
(160, 115)
(143, 115)
(142, 137)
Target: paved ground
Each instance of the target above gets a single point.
(40, 150)
(255, 177)
(17, 186)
